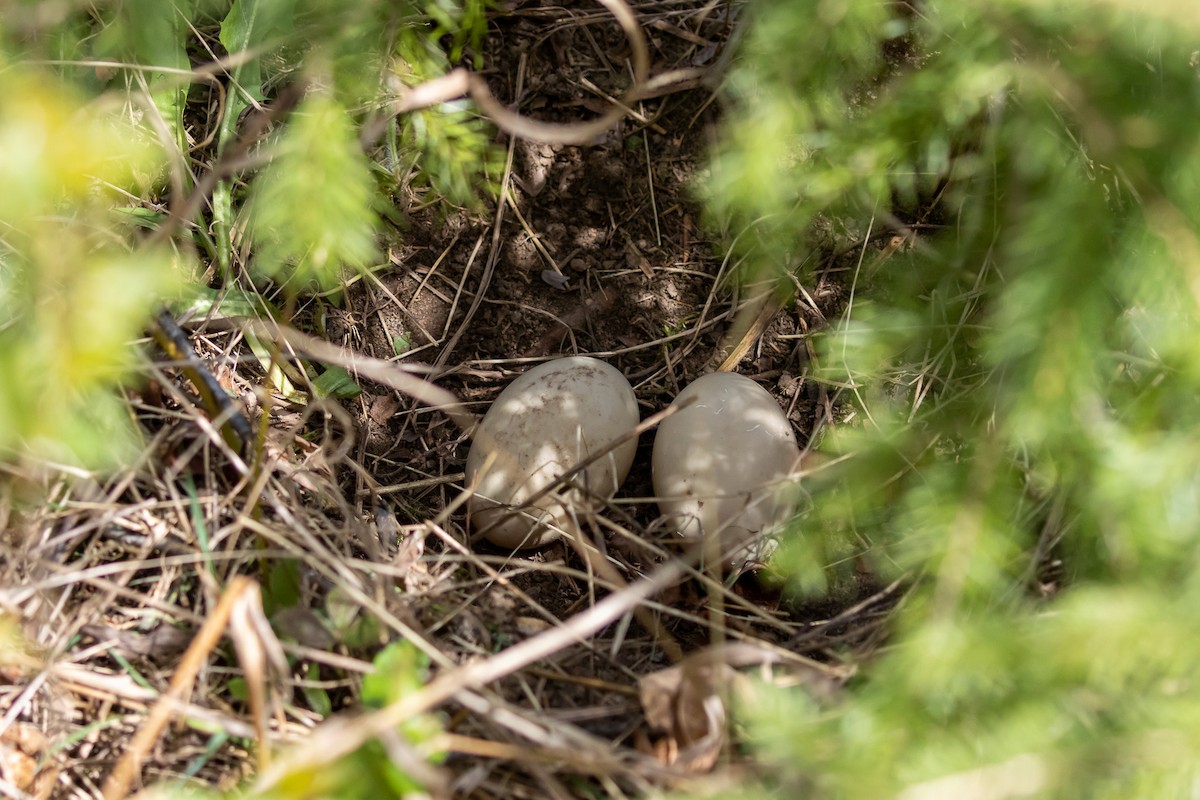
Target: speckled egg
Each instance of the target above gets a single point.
(719, 463)
(541, 426)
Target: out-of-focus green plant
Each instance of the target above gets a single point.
(90, 136)
(153, 34)
(73, 291)
(106, 117)
(310, 210)
(446, 147)
(352, 56)
(372, 772)
(1026, 379)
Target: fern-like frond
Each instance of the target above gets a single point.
(310, 216)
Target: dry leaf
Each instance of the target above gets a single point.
(686, 703)
(383, 408)
(531, 626)
(256, 648)
(635, 260)
(21, 747)
(161, 646)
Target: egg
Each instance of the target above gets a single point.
(541, 426)
(719, 461)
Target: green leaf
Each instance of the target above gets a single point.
(336, 382)
(256, 26)
(400, 670)
(238, 689)
(283, 586)
(253, 27)
(269, 359)
(204, 301)
(140, 217)
(318, 699)
(341, 608)
(364, 632)
(214, 745)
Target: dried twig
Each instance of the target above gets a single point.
(121, 779)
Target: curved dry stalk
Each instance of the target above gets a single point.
(574, 133)
(459, 82)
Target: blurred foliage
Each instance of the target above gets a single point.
(315, 235)
(356, 56)
(1025, 379)
(401, 670)
(150, 33)
(451, 150)
(106, 105)
(373, 772)
(110, 116)
(73, 292)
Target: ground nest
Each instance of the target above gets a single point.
(352, 522)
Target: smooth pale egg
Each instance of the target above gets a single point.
(541, 426)
(720, 461)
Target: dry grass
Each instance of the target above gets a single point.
(352, 511)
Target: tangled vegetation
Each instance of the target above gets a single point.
(1004, 378)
